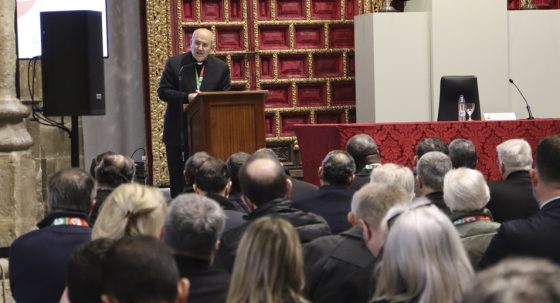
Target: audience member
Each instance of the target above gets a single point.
(193, 226)
(536, 236)
(299, 187)
(431, 144)
(338, 267)
(364, 150)
(462, 153)
(516, 280)
(141, 269)
(38, 259)
(131, 209)
(423, 258)
(112, 171)
(85, 277)
(512, 198)
(212, 180)
(96, 160)
(430, 171)
(234, 164)
(332, 200)
(394, 174)
(191, 166)
(465, 192)
(266, 187)
(269, 266)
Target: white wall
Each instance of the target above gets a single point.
(534, 62)
(122, 128)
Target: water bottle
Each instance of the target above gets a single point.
(461, 107)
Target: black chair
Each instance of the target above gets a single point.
(451, 87)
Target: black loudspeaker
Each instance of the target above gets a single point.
(72, 63)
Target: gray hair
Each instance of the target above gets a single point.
(193, 225)
(516, 280)
(71, 189)
(465, 190)
(394, 174)
(372, 201)
(515, 155)
(424, 258)
(462, 153)
(431, 169)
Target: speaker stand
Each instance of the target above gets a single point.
(75, 143)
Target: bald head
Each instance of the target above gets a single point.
(363, 149)
(201, 44)
(263, 179)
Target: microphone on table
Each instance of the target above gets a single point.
(527, 103)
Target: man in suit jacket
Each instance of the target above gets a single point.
(330, 260)
(193, 226)
(512, 198)
(431, 170)
(38, 259)
(184, 76)
(536, 236)
(332, 200)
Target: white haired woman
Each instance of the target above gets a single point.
(466, 194)
(423, 260)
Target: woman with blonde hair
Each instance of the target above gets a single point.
(131, 209)
(269, 264)
(423, 259)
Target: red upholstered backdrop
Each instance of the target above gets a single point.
(397, 141)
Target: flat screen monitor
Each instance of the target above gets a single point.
(451, 87)
(29, 23)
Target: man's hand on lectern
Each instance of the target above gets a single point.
(190, 97)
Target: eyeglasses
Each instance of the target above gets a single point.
(416, 205)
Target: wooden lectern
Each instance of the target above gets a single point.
(222, 123)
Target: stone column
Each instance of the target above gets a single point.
(18, 198)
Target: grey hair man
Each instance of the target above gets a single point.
(536, 236)
(516, 280)
(394, 174)
(431, 169)
(512, 197)
(38, 259)
(332, 200)
(463, 153)
(193, 227)
(366, 154)
(334, 265)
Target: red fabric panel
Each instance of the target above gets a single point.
(397, 141)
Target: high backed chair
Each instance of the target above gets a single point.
(451, 87)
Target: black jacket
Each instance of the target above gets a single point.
(537, 236)
(308, 226)
(38, 259)
(234, 216)
(437, 199)
(208, 285)
(330, 202)
(329, 260)
(512, 198)
(175, 92)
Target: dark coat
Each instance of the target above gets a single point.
(300, 187)
(38, 259)
(208, 285)
(308, 226)
(175, 92)
(512, 198)
(437, 199)
(100, 197)
(234, 216)
(330, 202)
(537, 236)
(362, 178)
(329, 260)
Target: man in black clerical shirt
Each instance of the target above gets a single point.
(183, 78)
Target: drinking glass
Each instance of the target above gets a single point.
(469, 107)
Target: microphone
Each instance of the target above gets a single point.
(527, 103)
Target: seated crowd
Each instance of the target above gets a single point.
(245, 231)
